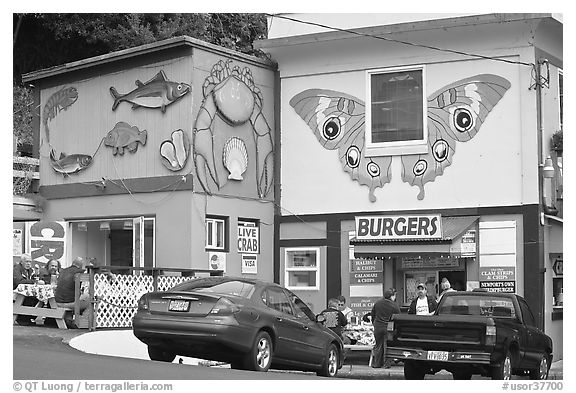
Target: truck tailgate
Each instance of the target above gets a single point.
(447, 330)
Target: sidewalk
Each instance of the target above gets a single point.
(122, 343)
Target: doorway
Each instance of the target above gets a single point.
(457, 279)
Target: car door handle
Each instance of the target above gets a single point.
(279, 319)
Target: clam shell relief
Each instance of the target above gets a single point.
(235, 158)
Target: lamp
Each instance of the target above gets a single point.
(104, 226)
(548, 170)
(128, 224)
(82, 226)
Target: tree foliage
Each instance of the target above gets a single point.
(46, 40)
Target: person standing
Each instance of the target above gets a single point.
(380, 314)
(347, 311)
(334, 319)
(423, 304)
(446, 287)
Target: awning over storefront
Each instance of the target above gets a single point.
(24, 209)
(452, 229)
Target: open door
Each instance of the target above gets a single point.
(138, 242)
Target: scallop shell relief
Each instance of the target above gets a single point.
(235, 158)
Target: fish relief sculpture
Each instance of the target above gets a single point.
(124, 136)
(231, 95)
(58, 102)
(174, 152)
(455, 114)
(158, 92)
(69, 164)
(235, 158)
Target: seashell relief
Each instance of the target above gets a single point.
(235, 158)
(175, 151)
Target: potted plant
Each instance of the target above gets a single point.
(556, 142)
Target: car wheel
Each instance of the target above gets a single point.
(504, 369)
(156, 353)
(462, 375)
(542, 371)
(413, 371)
(260, 356)
(330, 363)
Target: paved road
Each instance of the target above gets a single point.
(42, 357)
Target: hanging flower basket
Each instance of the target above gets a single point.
(556, 141)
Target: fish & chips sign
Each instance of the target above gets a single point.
(398, 227)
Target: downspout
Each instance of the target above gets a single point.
(541, 201)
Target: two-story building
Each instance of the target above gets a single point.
(157, 156)
(413, 151)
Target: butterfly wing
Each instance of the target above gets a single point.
(455, 114)
(337, 121)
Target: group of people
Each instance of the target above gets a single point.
(338, 315)
(62, 279)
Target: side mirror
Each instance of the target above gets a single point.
(320, 318)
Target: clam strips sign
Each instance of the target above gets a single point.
(398, 227)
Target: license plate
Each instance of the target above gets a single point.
(179, 305)
(437, 355)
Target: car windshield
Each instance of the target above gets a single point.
(477, 305)
(233, 287)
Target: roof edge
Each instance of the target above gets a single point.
(141, 50)
(399, 27)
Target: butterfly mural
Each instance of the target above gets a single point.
(455, 114)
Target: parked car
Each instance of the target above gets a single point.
(249, 323)
(486, 333)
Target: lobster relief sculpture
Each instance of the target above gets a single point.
(231, 95)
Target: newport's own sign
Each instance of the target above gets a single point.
(398, 227)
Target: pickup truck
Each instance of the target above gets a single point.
(491, 334)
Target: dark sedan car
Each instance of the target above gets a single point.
(251, 324)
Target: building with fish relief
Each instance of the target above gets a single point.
(416, 149)
(157, 156)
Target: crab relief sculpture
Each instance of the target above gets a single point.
(222, 153)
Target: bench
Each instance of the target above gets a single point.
(39, 311)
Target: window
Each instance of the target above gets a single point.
(302, 268)
(301, 309)
(216, 233)
(527, 315)
(396, 112)
(276, 299)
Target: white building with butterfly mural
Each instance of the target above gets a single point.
(417, 150)
(158, 156)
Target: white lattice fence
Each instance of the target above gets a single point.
(117, 298)
(167, 282)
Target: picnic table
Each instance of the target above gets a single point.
(46, 306)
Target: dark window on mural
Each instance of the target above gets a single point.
(558, 292)
(396, 104)
(216, 233)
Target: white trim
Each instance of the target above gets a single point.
(316, 269)
(399, 147)
(214, 230)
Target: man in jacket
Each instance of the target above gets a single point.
(381, 313)
(23, 273)
(334, 319)
(423, 304)
(65, 288)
